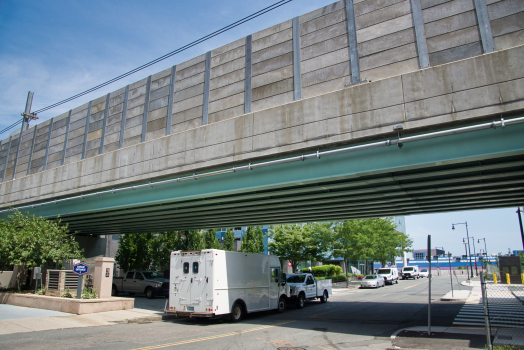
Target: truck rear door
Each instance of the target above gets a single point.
(192, 281)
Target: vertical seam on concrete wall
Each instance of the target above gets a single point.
(297, 77)
(170, 100)
(18, 149)
(86, 130)
(123, 124)
(207, 76)
(420, 34)
(48, 142)
(66, 136)
(247, 76)
(146, 109)
(104, 123)
(352, 41)
(486, 36)
(31, 152)
(6, 158)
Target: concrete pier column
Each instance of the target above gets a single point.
(103, 278)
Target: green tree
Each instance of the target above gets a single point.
(31, 241)
(344, 241)
(259, 240)
(253, 240)
(210, 240)
(369, 239)
(160, 247)
(229, 240)
(193, 240)
(135, 252)
(300, 242)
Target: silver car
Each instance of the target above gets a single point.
(372, 281)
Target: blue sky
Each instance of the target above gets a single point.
(60, 48)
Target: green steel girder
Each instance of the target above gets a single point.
(328, 191)
(297, 212)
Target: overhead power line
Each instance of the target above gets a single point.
(172, 53)
(11, 126)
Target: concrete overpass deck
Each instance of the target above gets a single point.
(476, 170)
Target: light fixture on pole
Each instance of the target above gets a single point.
(485, 248)
(469, 247)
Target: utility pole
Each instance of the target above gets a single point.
(429, 282)
(25, 124)
(521, 229)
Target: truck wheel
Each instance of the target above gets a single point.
(237, 313)
(324, 297)
(150, 293)
(114, 290)
(301, 301)
(281, 304)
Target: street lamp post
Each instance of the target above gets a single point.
(469, 247)
(485, 248)
(466, 249)
(438, 265)
(450, 277)
(475, 257)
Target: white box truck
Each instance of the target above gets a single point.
(213, 282)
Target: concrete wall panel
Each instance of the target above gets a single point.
(385, 28)
(382, 15)
(227, 79)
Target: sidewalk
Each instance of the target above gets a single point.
(108, 318)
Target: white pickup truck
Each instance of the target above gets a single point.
(304, 286)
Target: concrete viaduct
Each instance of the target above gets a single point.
(362, 108)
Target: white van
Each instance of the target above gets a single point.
(390, 274)
(212, 282)
(410, 272)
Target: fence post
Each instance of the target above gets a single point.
(486, 316)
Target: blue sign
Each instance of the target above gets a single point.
(81, 269)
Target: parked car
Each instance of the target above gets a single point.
(424, 273)
(410, 272)
(372, 281)
(390, 274)
(149, 282)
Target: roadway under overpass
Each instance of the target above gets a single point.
(480, 169)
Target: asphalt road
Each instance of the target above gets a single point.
(352, 319)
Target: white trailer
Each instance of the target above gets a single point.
(213, 282)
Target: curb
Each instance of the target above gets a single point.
(145, 319)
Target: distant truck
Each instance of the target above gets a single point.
(410, 272)
(148, 282)
(390, 274)
(212, 282)
(304, 286)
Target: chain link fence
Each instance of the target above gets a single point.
(503, 300)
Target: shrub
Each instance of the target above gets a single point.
(41, 291)
(89, 293)
(325, 270)
(67, 294)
